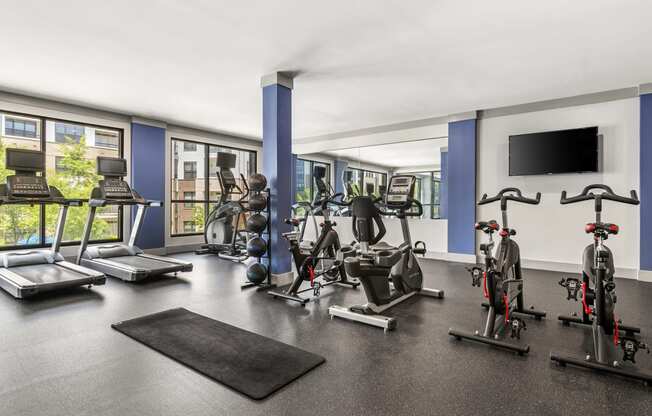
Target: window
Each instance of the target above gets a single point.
(65, 132)
(188, 227)
(189, 196)
(70, 166)
(20, 127)
(108, 139)
(427, 191)
(59, 164)
(194, 185)
(189, 170)
(365, 182)
(304, 184)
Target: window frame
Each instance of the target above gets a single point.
(207, 202)
(41, 123)
(312, 181)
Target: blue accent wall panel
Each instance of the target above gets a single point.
(646, 181)
(293, 179)
(148, 179)
(443, 188)
(340, 167)
(277, 167)
(461, 186)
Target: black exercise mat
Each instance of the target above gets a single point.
(249, 363)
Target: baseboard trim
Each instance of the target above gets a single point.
(452, 257)
(575, 268)
(645, 276)
(186, 248)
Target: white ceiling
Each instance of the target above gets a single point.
(396, 155)
(361, 63)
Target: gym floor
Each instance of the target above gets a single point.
(59, 356)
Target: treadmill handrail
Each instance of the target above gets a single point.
(105, 202)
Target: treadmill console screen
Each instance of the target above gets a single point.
(24, 160)
(21, 186)
(400, 189)
(228, 180)
(111, 167)
(115, 188)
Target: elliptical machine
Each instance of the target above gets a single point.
(598, 291)
(316, 262)
(501, 279)
(376, 267)
(221, 230)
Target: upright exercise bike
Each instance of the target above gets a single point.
(316, 262)
(501, 279)
(222, 232)
(389, 275)
(598, 291)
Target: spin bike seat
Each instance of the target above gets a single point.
(380, 246)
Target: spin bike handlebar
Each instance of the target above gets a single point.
(607, 194)
(507, 194)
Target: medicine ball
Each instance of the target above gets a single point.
(256, 273)
(257, 202)
(256, 223)
(257, 182)
(256, 247)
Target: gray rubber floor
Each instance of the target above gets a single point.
(59, 356)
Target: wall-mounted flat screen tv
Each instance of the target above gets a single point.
(562, 151)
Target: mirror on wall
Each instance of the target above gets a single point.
(366, 171)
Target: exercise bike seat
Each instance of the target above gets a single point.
(381, 246)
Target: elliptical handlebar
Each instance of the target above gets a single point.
(608, 194)
(504, 195)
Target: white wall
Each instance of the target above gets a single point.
(551, 236)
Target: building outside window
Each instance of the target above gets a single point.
(189, 147)
(304, 184)
(19, 127)
(188, 226)
(107, 139)
(65, 132)
(189, 196)
(189, 170)
(427, 191)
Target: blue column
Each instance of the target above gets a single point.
(148, 179)
(293, 179)
(461, 186)
(443, 186)
(277, 163)
(340, 167)
(646, 182)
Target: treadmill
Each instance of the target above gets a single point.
(25, 273)
(124, 261)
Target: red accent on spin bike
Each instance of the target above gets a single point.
(504, 232)
(485, 292)
(616, 331)
(494, 225)
(613, 228)
(589, 228)
(311, 273)
(587, 308)
(506, 308)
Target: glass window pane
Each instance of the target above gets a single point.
(187, 218)
(187, 171)
(19, 225)
(71, 168)
(245, 164)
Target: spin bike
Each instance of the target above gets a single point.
(598, 295)
(501, 279)
(389, 275)
(316, 262)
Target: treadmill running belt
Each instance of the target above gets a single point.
(252, 364)
(141, 263)
(47, 273)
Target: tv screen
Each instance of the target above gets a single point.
(562, 151)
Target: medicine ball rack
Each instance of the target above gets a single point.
(267, 283)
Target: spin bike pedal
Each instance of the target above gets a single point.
(630, 347)
(517, 325)
(476, 275)
(572, 286)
